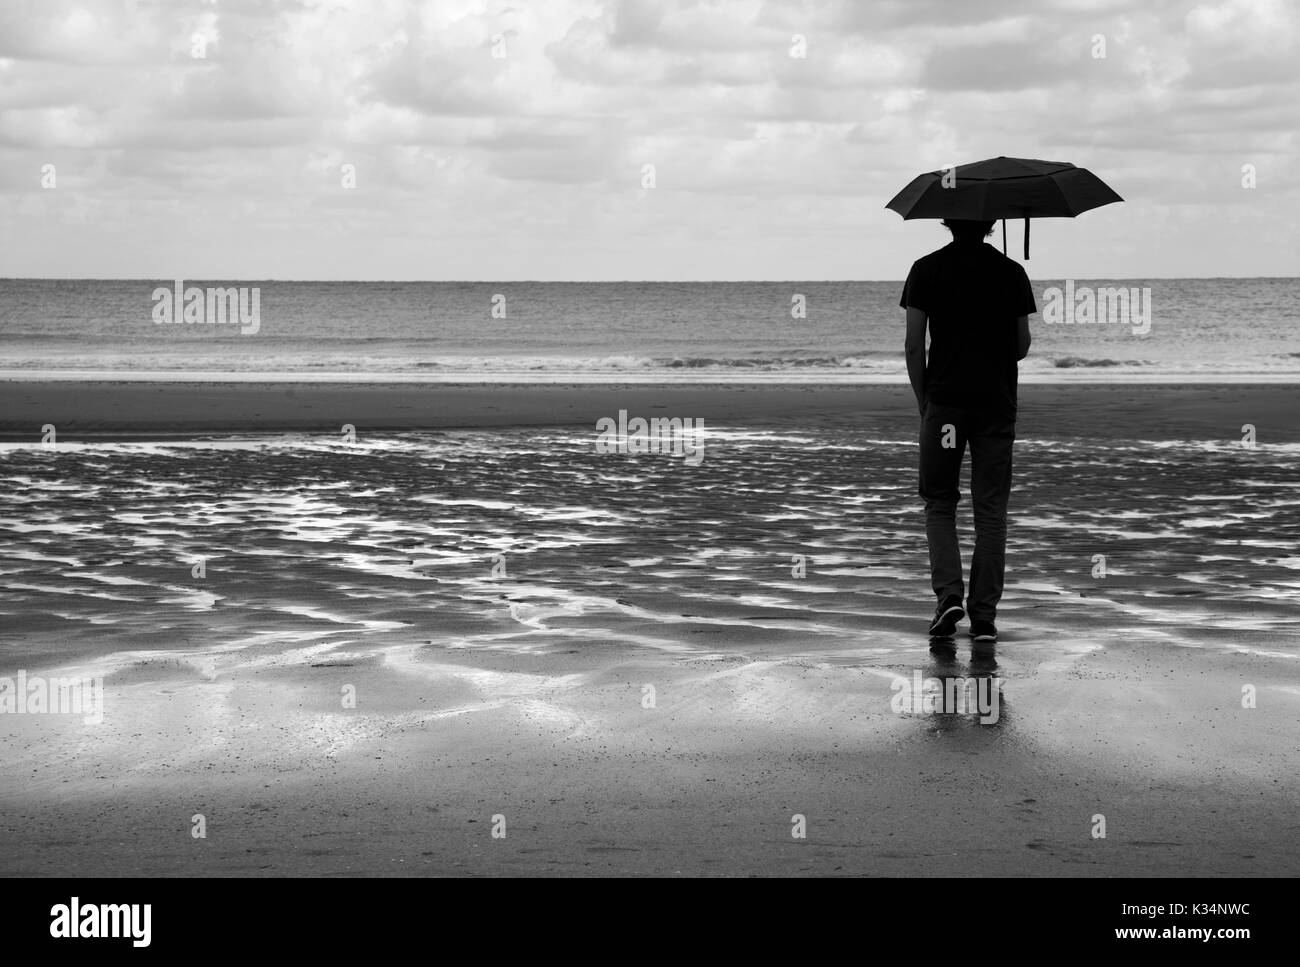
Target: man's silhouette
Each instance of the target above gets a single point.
(977, 304)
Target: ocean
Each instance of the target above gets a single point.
(1196, 329)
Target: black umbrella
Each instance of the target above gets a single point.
(1004, 188)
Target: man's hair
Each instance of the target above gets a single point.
(965, 230)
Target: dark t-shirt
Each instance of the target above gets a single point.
(973, 295)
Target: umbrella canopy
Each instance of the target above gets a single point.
(1004, 188)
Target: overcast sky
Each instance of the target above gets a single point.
(473, 165)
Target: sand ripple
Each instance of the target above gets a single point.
(529, 539)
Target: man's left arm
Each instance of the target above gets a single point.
(914, 351)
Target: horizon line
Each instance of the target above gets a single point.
(209, 278)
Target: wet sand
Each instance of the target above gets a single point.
(84, 409)
(525, 695)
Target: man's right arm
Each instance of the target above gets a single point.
(1027, 307)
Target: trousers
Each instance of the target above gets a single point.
(946, 431)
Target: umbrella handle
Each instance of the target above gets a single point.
(1026, 237)
(1004, 236)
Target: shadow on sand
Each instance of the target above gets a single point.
(972, 695)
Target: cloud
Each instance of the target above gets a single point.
(752, 111)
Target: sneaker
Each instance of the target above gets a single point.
(946, 617)
(982, 630)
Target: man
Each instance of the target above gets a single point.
(976, 303)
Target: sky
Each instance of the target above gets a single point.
(631, 139)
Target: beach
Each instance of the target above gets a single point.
(181, 405)
(562, 661)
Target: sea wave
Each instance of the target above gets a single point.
(1073, 362)
(850, 366)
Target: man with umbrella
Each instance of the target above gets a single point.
(976, 303)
